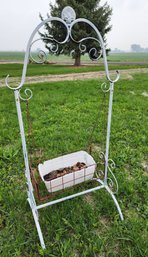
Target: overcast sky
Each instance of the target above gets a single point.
(18, 18)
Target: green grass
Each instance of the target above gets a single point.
(15, 70)
(63, 114)
(128, 57)
(11, 56)
(117, 57)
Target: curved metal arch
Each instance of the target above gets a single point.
(29, 45)
(102, 46)
(69, 28)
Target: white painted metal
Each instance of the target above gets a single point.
(113, 197)
(26, 161)
(68, 15)
(69, 197)
(115, 201)
(68, 22)
(100, 40)
(108, 130)
(38, 227)
(29, 45)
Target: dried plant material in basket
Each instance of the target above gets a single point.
(67, 170)
(61, 172)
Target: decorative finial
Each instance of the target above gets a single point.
(68, 14)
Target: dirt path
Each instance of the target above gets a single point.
(125, 74)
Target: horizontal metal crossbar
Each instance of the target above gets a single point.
(69, 197)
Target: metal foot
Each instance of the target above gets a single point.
(115, 201)
(38, 227)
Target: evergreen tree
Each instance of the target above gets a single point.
(92, 10)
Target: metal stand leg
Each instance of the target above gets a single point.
(113, 197)
(115, 201)
(38, 227)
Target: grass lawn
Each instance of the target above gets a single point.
(117, 57)
(63, 114)
(11, 56)
(128, 57)
(15, 70)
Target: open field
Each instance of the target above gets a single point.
(119, 57)
(15, 70)
(128, 57)
(63, 115)
(12, 56)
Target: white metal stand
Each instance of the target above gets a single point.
(68, 20)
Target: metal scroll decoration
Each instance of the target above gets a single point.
(28, 94)
(105, 87)
(111, 179)
(68, 20)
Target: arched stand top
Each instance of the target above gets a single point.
(68, 20)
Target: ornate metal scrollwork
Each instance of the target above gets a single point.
(68, 15)
(28, 93)
(105, 87)
(68, 20)
(111, 181)
(7, 83)
(52, 45)
(93, 53)
(42, 55)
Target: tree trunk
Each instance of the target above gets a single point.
(77, 59)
